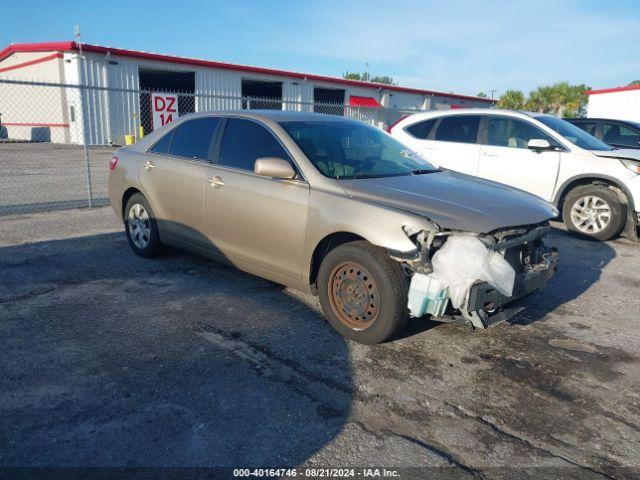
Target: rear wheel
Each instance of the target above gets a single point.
(594, 211)
(363, 292)
(141, 227)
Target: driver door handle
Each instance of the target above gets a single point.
(215, 182)
(149, 165)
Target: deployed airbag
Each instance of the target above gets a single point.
(463, 260)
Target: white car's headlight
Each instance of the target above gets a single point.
(633, 165)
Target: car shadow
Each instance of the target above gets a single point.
(109, 359)
(581, 262)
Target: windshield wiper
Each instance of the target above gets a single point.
(422, 171)
(360, 175)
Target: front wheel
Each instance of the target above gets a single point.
(594, 211)
(363, 293)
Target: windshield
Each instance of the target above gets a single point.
(342, 149)
(574, 134)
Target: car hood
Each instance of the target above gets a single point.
(628, 153)
(454, 200)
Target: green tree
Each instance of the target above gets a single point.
(560, 99)
(481, 95)
(634, 83)
(512, 100)
(367, 77)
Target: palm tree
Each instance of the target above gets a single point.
(511, 100)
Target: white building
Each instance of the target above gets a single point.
(619, 103)
(105, 114)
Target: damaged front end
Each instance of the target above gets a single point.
(471, 278)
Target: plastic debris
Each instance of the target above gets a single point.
(463, 260)
(427, 295)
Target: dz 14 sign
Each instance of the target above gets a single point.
(164, 107)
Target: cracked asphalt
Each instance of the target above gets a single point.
(108, 359)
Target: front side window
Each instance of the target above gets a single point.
(615, 134)
(572, 133)
(512, 132)
(458, 128)
(245, 141)
(589, 127)
(193, 138)
(348, 149)
(421, 130)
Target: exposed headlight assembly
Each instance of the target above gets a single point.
(633, 165)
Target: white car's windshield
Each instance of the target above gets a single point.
(343, 149)
(574, 134)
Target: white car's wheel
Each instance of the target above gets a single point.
(594, 211)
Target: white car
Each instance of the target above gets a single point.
(596, 188)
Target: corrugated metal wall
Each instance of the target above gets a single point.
(108, 116)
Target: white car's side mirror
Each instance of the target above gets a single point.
(539, 144)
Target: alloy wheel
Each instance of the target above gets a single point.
(591, 214)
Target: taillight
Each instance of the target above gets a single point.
(113, 163)
(397, 122)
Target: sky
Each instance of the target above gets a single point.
(448, 45)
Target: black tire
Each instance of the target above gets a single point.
(387, 279)
(152, 247)
(618, 211)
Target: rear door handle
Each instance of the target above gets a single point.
(489, 154)
(215, 182)
(149, 165)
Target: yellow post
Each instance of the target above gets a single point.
(140, 132)
(129, 139)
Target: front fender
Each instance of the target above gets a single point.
(379, 225)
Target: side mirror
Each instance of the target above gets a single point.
(539, 144)
(274, 168)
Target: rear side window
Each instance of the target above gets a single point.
(458, 128)
(162, 145)
(514, 133)
(192, 139)
(245, 141)
(422, 129)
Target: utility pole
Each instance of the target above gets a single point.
(78, 36)
(493, 93)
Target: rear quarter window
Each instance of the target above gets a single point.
(422, 129)
(162, 145)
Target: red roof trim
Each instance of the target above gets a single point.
(31, 62)
(612, 90)
(357, 101)
(69, 46)
(37, 47)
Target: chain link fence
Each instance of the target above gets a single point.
(56, 139)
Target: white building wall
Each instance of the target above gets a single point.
(623, 105)
(102, 116)
(29, 112)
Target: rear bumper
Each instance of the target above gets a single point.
(485, 304)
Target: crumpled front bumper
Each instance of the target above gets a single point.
(484, 304)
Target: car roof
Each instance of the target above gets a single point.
(599, 119)
(416, 116)
(277, 116)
